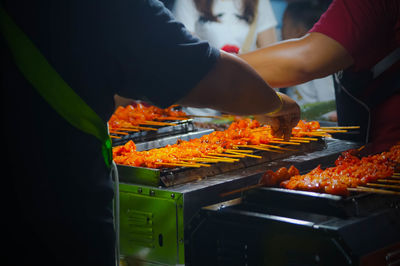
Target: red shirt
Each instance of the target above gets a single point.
(369, 30)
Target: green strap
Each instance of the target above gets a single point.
(52, 87)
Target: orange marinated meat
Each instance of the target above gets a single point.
(349, 171)
(241, 132)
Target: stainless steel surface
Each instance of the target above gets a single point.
(181, 127)
(207, 191)
(206, 176)
(303, 160)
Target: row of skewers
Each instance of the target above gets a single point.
(129, 119)
(140, 117)
(240, 140)
(377, 173)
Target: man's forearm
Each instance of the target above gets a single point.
(299, 60)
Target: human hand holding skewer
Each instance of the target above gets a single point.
(283, 119)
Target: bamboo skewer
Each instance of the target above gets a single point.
(126, 129)
(187, 161)
(299, 140)
(179, 164)
(330, 131)
(204, 160)
(304, 138)
(222, 159)
(389, 181)
(226, 155)
(277, 147)
(239, 150)
(245, 155)
(259, 148)
(394, 177)
(138, 128)
(240, 190)
(341, 127)
(155, 123)
(292, 140)
(316, 134)
(284, 142)
(373, 190)
(118, 132)
(114, 137)
(383, 185)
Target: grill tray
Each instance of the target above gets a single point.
(182, 127)
(356, 204)
(180, 175)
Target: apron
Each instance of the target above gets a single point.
(371, 100)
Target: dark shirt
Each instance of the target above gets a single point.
(60, 191)
(370, 31)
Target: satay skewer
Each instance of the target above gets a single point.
(373, 190)
(204, 160)
(245, 155)
(258, 147)
(284, 142)
(389, 181)
(240, 190)
(139, 128)
(240, 150)
(304, 138)
(155, 123)
(222, 159)
(180, 164)
(292, 140)
(341, 127)
(227, 155)
(126, 129)
(315, 134)
(118, 132)
(383, 185)
(330, 131)
(277, 147)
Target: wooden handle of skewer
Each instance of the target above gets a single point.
(373, 190)
(240, 190)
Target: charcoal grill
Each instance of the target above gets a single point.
(160, 208)
(272, 226)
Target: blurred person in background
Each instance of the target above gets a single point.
(236, 26)
(299, 17)
(245, 24)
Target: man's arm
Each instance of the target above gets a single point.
(233, 86)
(299, 60)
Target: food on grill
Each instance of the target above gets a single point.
(271, 178)
(214, 147)
(349, 172)
(131, 116)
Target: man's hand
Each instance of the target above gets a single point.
(284, 120)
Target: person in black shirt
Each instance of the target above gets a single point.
(60, 201)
